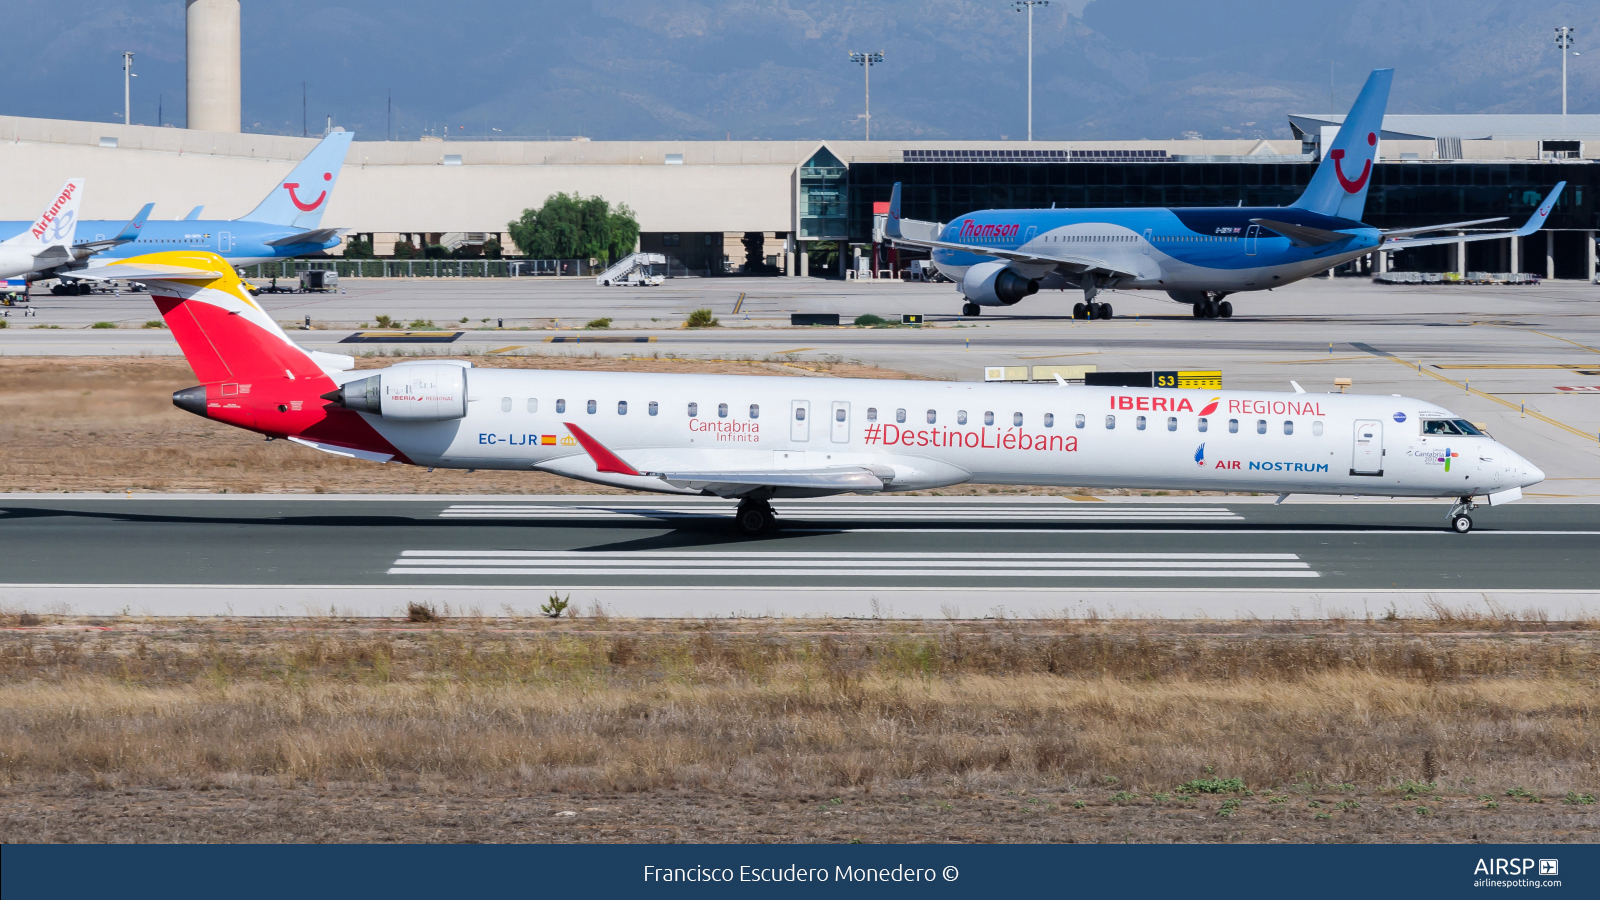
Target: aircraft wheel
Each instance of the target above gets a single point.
(1225, 309)
(1105, 310)
(1078, 311)
(1211, 309)
(1199, 310)
(755, 518)
(1461, 524)
(971, 309)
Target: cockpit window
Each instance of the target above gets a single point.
(1465, 426)
(1440, 426)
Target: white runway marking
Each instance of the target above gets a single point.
(852, 565)
(1030, 512)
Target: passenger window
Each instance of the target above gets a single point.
(1288, 427)
(592, 407)
(722, 410)
(961, 417)
(1233, 426)
(1016, 420)
(1316, 429)
(1172, 423)
(533, 405)
(694, 410)
(1079, 420)
(755, 410)
(900, 416)
(505, 404)
(988, 417)
(1049, 420)
(1111, 422)
(1139, 424)
(654, 407)
(799, 413)
(872, 414)
(933, 417)
(1261, 426)
(1204, 423)
(838, 414)
(561, 406)
(622, 407)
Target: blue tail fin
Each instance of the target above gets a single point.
(1339, 188)
(299, 200)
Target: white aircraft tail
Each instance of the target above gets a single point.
(58, 224)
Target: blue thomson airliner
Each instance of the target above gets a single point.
(1198, 255)
(286, 224)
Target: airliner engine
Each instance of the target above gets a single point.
(410, 393)
(995, 284)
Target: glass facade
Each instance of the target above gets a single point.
(1402, 194)
(824, 193)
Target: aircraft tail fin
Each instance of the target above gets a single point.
(300, 199)
(1339, 187)
(891, 222)
(58, 224)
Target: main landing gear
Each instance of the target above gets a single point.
(755, 517)
(1091, 311)
(1213, 307)
(1460, 522)
(971, 309)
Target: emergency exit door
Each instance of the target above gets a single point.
(1368, 457)
(839, 422)
(1250, 237)
(800, 420)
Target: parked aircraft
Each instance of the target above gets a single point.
(48, 245)
(755, 438)
(1197, 255)
(287, 223)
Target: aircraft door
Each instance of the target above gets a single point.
(225, 242)
(1368, 457)
(1149, 238)
(800, 420)
(839, 422)
(1250, 238)
(1030, 234)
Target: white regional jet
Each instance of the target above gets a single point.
(759, 437)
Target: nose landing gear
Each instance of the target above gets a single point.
(755, 517)
(1460, 522)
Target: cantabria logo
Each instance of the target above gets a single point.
(290, 186)
(1337, 156)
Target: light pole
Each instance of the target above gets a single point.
(866, 61)
(1564, 43)
(1019, 6)
(127, 94)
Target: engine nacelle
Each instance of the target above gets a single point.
(431, 392)
(996, 284)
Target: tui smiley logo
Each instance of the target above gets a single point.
(301, 205)
(1351, 187)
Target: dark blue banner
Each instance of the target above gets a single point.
(1189, 871)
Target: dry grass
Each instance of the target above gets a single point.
(996, 731)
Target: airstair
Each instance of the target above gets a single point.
(619, 272)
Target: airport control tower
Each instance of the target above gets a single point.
(213, 55)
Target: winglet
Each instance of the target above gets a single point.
(1537, 220)
(891, 224)
(604, 460)
(130, 231)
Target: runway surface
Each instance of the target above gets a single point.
(891, 557)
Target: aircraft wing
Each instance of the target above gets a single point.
(314, 236)
(1534, 223)
(129, 233)
(1400, 232)
(1303, 235)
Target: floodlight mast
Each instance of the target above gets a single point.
(1019, 6)
(127, 94)
(866, 61)
(1564, 43)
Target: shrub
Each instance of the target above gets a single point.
(155, 323)
(384, 321)
(1577, 799)
(555, 607)
(422, 323)
(5, 323)
(870, 320)
(599, 323)
(701, 318)
(104, 325)
(1229, 807)
(420, 612)
(1211, 786)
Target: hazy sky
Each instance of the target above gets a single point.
(643, 69)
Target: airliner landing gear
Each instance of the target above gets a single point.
(1091, 311)
(1460, 522)
(755, 517)
(971, 309)
(1213, 307)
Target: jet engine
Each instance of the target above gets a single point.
(408, 393)
(995, 284)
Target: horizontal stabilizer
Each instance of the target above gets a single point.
(1303, 235)
(138, 272)
(315, 236)
(348, 452)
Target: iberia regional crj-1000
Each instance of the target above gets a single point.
(1196, 255)
(756, 438)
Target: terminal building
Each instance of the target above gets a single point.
(789, 207)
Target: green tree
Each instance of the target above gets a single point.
(354, 249)
(571, 226)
